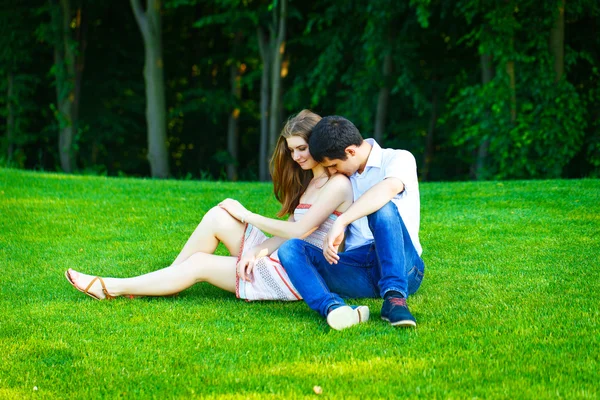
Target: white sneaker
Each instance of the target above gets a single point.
(345, 316)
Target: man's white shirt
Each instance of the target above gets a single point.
(382, 164)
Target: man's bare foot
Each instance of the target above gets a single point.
(81, 282)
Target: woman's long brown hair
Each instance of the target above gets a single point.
(289, 180)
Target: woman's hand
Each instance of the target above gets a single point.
(245, 266)
(235, 209)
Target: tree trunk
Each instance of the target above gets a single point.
(95, 151)
(68, 61)
(277, 49)
(383, 99)
(63, 62)
(384, 92)
(487, 74)
(263, 162)
(510, 70)
(557, 42)
(510, 66)
(10, 115)
(150, 26)
(232, 124)
(65, 136)
(78, 66)
(487, 70)
(431, 131)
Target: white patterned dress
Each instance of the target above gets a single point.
(269, 279)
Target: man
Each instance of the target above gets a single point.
(382, 249)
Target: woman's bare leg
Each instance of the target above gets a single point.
(219, 271)
(216, 226)
(195, 263)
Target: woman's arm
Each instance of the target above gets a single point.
(266, 248)
(337, 191)
(245, 266)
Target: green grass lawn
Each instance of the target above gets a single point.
(509, 307)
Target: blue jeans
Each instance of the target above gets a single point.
(389, 263)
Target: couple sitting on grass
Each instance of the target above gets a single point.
(343, 182)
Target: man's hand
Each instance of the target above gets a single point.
(235, 209)
(332, 242)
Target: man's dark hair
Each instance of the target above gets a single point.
(331, 136)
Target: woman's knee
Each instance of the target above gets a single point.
(215, 213)
(218, 217)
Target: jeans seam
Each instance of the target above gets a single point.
(380, 266)
(320, 280)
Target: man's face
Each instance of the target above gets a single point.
(347, 167)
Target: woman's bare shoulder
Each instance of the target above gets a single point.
(341, 179)
(339, 183)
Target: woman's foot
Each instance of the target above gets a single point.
(93, 286)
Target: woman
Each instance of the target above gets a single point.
(310, 197)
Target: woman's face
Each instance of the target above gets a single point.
(299, 151)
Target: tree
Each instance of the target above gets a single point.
(69, 50)
(149, 23)
(487, 74)
(278, 33)
(531, 122)
(383, 99)
(16, 43)
(236, 21)
(263, 144)
(232, 123)
(271, 42)
(474, 88)
(333, 78)
(557, 42)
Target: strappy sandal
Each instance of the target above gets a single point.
(108, 296)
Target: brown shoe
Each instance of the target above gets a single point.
(93, 296)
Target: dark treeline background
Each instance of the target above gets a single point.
(476, 89)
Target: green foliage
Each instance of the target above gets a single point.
(334, 57)
(422, 9)
(16, 57)
(507, 306)
(16, 39)
(228, 19)
(346, 76)
(551, 117)
(547, 133)
(24, 110)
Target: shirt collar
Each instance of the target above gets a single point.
(375, 156)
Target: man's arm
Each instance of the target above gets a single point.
(336, 192)
(371, 201)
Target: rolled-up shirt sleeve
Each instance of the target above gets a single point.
(402, 165)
